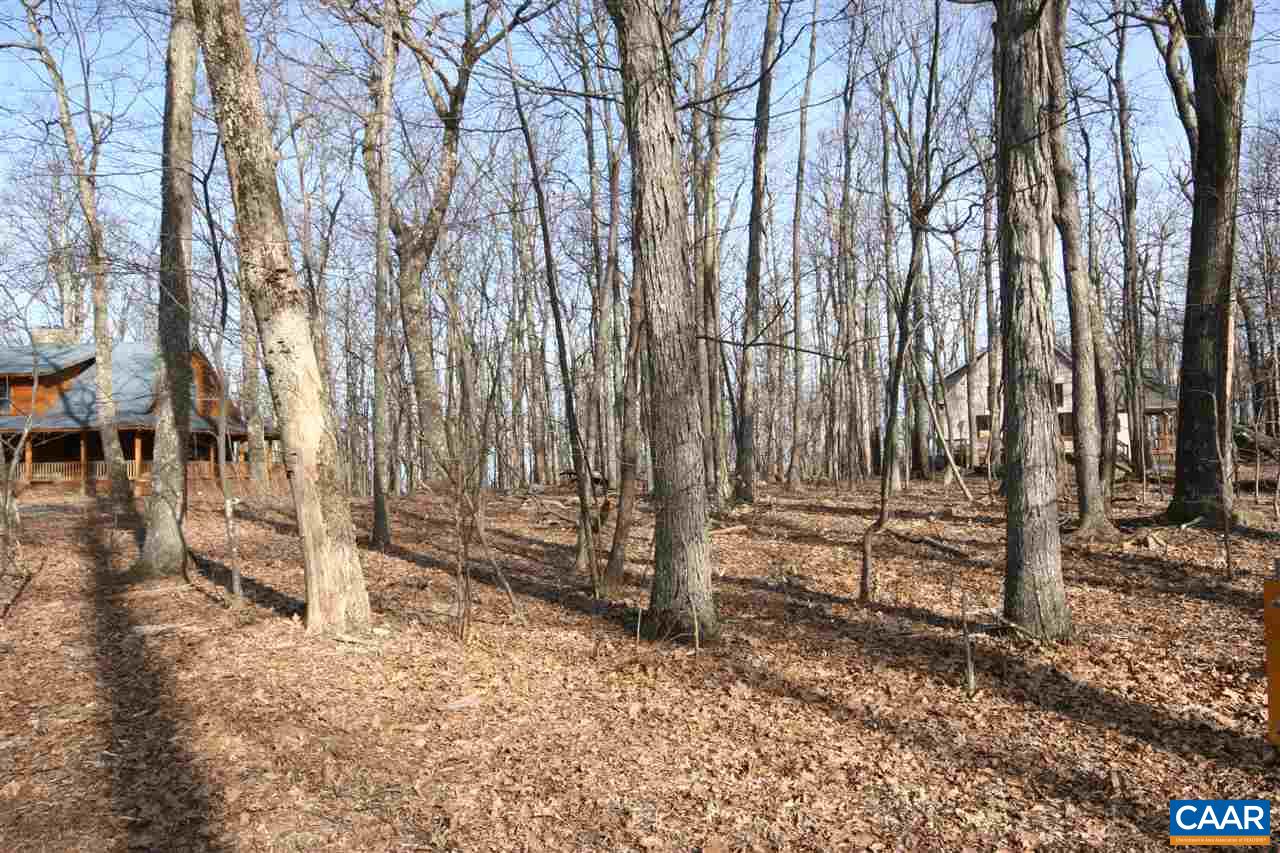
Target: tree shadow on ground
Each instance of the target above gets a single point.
(1026, 682)
(156, 785)
(1130, 574)
(873, 512)
(1002, 672)
(948, 740)
(256, 592)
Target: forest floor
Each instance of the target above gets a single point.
(154, 717)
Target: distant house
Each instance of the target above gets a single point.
(1160, 417)
(53, 384)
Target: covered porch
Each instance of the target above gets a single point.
(77, 456)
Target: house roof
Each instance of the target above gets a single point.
(955, 376)
(43, 359)
(134, 374)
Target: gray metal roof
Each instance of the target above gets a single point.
(134, 371)
(43, 359)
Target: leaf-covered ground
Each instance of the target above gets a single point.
(153, 717)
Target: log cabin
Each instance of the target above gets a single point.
(1160, 417)
(52, 384)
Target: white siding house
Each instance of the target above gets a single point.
(1161, 408)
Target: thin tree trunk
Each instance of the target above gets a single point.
(745, 476)
(797, 302)
(164, 551)
(250, 402)
(1084, 389)
(378, 174)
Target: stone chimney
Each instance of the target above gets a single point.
(54, 337)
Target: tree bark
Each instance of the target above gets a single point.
(680, 602)
(745, 477)
(164, 551)
(378, 174)
(797, 302)
(1219, 43)
(1034, 596)
(1066, 212)
(336, 597)
(250, 396)
(85, 165)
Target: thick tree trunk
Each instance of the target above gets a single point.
(681, 600)
(1219, 45)
(163, 551)
(1034, 595)
(336, 597)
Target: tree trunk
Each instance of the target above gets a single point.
(586, 558)
(163, 551)
(336, 597)
(250, 396)
(680, 603)
(86, 172)
(797, 302)
(745, 476)
(1219, 45)
(378, 174)
(1034, 596)
(630, 442)
(1066, 211)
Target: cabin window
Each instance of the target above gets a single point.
(1067, 423)
(983, 423)
(1059, 395)
(6, 398)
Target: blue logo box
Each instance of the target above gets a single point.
(1220, 822)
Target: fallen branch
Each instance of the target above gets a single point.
(1014, 626)
(949, 550)
(737, 528)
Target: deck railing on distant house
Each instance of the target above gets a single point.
(71, 472)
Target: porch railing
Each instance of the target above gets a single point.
(70, 472)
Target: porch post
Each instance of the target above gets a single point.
(27, 457)
(84, 462)
(137, 455)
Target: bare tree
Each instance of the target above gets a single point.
(164, 551)
(336, 597)
(85, 159)
(680, 602)
(797, 307)
(1218, 43)
(1081, 305)
(745, 485)
(1034, 593)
